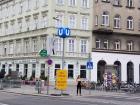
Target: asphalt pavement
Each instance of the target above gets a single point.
(26, 95)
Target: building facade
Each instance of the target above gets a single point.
(28, 26)
(116, 39)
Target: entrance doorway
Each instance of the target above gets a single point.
(100, 70)
(130, 72)
(118, 69)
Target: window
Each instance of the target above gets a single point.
(42, 70)
(11, 48)
(130, 46)
(117, 45)
(17, 67)
(71, 45)
(43, 42)
(44, 2)
(27, 47)
(130, 22)
(28, 5)
(106, 1)
(84, 46)
(45, 21)
(36, 4)
(60, 2)
(117, 21)
(72, 2)
(36, 21)
(84, 23)
(57, 67)
(117, 2)
(72, 21)
(70, 71)
(20, 24)
(12, 25)
(59, 20)
(25, 70)
(139, 25)
(83, 71)
(105, 18)
(34, 45)
(105, 44)
(5, 49)
(96, 20)
(98, 43)
(130, 3)
(59, 44)
(18, 46)
(33, 70)
(6, 27)
(27, 19)
(85, 3)
(21, 7)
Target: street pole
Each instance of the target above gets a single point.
(89, 81)
(48, 80)
(89, 76)
(63, 53)
(63, 58)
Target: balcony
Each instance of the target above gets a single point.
(103, 30)
(116, 51)
(36, 54)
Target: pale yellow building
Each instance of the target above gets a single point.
(27, 26)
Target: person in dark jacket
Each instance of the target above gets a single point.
(78, 80)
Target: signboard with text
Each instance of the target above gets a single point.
(61, 79)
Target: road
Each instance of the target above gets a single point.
(18, 99)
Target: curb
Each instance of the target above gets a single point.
(42, 95)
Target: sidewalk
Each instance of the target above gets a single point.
(71, 90)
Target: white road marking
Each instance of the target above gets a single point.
(3, 104)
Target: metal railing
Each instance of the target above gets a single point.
(6, 83)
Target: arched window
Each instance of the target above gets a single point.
(130, 22)
(105, 18)
(117, 19)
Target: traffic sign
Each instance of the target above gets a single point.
(89, 65)
(61, 79)
(49, 62)
(43, 53)
(64, 32)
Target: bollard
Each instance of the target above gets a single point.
(1, 85)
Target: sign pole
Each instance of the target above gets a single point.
(63, 33)
(49, 62)
(63, 58)
(48, 80)
(89, 81)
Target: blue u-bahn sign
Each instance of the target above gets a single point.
(63, 32)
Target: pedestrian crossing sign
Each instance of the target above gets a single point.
(89, 65)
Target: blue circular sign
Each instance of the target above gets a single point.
(49, 62)
(63, 32)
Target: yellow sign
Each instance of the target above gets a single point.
(61, 79)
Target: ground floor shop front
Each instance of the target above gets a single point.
(37, 67)
(127, 66)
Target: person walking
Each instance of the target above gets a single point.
(78, 80)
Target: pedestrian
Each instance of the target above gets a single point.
(78, 80)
